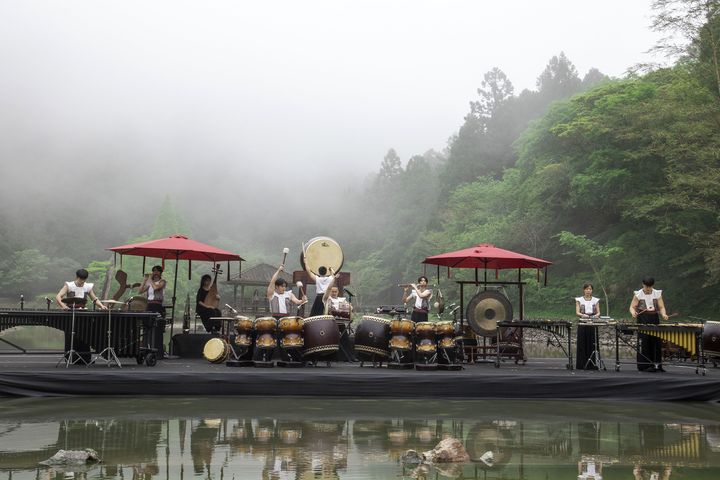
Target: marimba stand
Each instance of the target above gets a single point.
(67, 357)
(109, 351)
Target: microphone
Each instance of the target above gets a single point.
(231, 308)
(348, 292)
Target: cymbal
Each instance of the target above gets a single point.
(74, 301)
(110, 300)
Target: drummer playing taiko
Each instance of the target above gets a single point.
(422, 296)
(78, 288)
(334, 304)
(280, 299)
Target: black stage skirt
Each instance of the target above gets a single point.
(586, 341)
(419, 315)
(318, 307)
(649, 348)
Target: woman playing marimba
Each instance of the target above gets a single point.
(645, 306)
(586, 307)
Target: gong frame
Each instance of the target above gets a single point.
(519, 283)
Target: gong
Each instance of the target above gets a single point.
(485, 310)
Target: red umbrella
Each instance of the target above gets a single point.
(486, 256)
(176, 247)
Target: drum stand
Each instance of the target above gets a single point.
(377, 360)
(449, 356)
(68, 356)
(428, 361)
(236, 360)
(290, 357)
(263, 361)
(109, 351)
(399, 361)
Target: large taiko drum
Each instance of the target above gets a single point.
(402, 330)
(216, 350)
(321, 252)
(425, 338)
(265, 330)
(322, 336)
(243, 330)
(711, 339)
(372, 336)
(291, 329)
(445, 332)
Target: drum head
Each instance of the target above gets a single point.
(321, 252)
(485, 310)
(215, 350)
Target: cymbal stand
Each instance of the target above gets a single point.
(68, 356)
(109, 350)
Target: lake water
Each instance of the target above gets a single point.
(241, 438)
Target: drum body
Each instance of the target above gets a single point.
(291, 329)
(372, 336)
(137, 304)
(425, 337)
(402, 330)
(216, 350)
(244, 329)
(445, 332)
(322, 336)
(265, 330)
(711, 339)
(321, 252)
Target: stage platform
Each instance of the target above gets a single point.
(36, 375)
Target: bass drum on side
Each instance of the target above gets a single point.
(321, 252)
(486, 309)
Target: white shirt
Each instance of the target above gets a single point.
(75, 291)
(587, 307)
(420, 301)
(322, 283)
(282, 301)
(648, 299)
(155, 295)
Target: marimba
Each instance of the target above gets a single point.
(558, 329)
(685, 335)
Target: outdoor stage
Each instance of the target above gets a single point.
(36, 375)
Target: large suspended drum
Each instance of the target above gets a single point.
(485, 310)
(711, 339)
(321, 252)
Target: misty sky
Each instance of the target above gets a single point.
(226, 93)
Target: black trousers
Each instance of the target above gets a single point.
(649, 347)
(318, 307)
(206, 314)
(419, 315)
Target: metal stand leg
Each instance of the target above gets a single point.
(68, 356)
(109, 350)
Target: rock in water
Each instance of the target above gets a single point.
(73, 457)
(411, 457)
(448, 450)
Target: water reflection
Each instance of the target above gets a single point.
(213, 438)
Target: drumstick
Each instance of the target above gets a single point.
(300, 288)
(286, 250)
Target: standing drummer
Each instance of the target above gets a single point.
(422, 296)
(322, 283)
(647, 306)
(279, 297)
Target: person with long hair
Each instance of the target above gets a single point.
(586, 307)
(205, 311)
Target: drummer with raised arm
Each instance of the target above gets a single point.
(322, 282)
(422, 296)
(78, 288)
(281, 299)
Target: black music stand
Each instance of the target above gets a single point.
(595, 358)
(74, 303)
(109, 351)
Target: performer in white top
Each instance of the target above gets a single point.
(154, 285)
(336, 305)
(280, 299)
(322, 282)
(647, 306)
(422, 296)
(78, 288)
(586, 307)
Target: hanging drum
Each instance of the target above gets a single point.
(485, 310)
(321, 252)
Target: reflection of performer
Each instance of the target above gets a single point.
(78, 288)
(204, 310)
(280, 299)
(586, 306)
(322, 282)
(653, 473)
(202, 444)
(422, 296)
(154, 285)
(645, 305)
